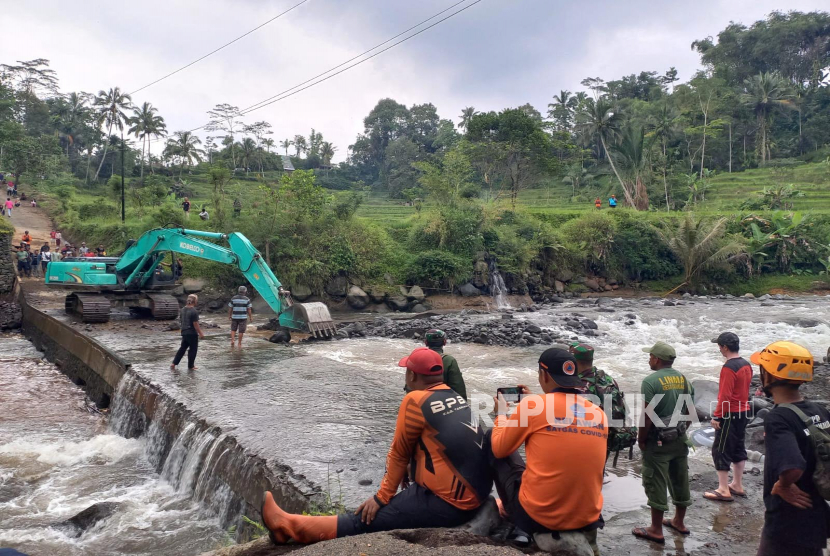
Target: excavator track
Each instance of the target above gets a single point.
(163, 307)
(91, 308)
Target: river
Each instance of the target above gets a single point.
(326, 409)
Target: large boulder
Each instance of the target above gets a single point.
(416, 294)
(706, 397)
(397, 303)
(193, 285)
(357, 298)
(469, 290)
(593, 284)
(301, 292)
(261, 307)
(565, 275)
(481, 274)
(76, 525)
(281, 336)
(560, 286)
(377, 295)
(338, 286)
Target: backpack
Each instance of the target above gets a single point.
(820, 439)
(599, 384)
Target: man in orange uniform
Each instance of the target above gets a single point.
(558, 493)
(452, 473)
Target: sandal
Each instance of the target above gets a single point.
(716, 496)
(642, 533)
(737, 493)
(667, 523)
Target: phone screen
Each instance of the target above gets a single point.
(512, 394)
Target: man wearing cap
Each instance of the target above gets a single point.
(435, 428)
(729, 419)
(662, 439)
(436, 340)
(83, 250)
(557, 495)
(239, 311)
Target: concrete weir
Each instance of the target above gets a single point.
(197, 457)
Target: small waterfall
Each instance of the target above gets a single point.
(498, 289)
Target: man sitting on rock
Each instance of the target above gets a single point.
(435, 427)
(436, 340)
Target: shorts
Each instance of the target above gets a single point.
(239, 325)
(666, 468)
(412, 508)
(729, 445)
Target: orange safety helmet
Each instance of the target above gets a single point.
(785, 361)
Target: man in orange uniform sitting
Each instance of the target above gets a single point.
(452, 474)
(557, 496)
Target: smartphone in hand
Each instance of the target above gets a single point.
(511, 394)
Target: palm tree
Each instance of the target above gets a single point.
(248, 148)
(327, 152)
(665, 127)
(285, 144)
(300, 144)
(599, 120)
(146, 123)
(699, 246)
(112, 106)
(467, 115)
(562, 109)
(185, 147)
(632, 153)
(765, 93)
(268, 144)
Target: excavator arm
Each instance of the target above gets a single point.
(140, 260)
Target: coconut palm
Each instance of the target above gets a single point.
(699, 245)
(185, 148)
(248, 149)
(146, 123)
(285, 144)
(268, 144)
(764, 94)
(467, 115)
(300, 144)
(600, 120)
(632, 155)
(561, 110)
(665, 128)
(112, 108)
(327, 152)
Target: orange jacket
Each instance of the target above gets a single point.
(435, 428)
(562, 484)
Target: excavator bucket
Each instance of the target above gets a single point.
(311, 317)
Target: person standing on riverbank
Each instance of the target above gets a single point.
(9, 206)
(45, 257)
(797, 516)
(558, 493)
(186, 208)
(729, 420)
(452, 473)
(191, 334)
(239, 312)
(664, 443)
(436, 340)
(612, 202)
(23, 268)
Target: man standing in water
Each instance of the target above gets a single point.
(191, 333)
(729, 419)
(436, 340)
(796, 518)
(239, 311)
(452, 474)
(664, 444)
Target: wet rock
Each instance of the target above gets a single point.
(808, 323)
(593, 284)
(469, 290)
(749, 295)
(301, 292)
(565, 276)
(419, 308)
(174, 325)
(193, 285)
(281, 336)
(364, 482)
(376, 295)
(397, 303)
(533, 329)
(416, 294)
(589, 324)
(215, 305)
(559, 286)
(338, 286)
(357, 298)
(706, 397)
(765, 297)
(669, 303)
(77, 524)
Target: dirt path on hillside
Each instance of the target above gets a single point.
(33, 219)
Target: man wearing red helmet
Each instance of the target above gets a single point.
(435, 428)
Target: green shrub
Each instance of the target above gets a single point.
(640, 254)
(438, 269)
(99, 210)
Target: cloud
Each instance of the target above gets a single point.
(491, 56)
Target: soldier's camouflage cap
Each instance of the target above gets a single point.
(582, 352)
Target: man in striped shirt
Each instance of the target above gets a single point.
(239, 311)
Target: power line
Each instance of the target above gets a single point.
(281, 96)
(211, 53)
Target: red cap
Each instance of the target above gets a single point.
(423, 361)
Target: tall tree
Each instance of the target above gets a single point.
(467, 115)
(327, 152)
(562, 109)
(112, 108)
(146, 124)
(632, 153)
(600, 120)
(300, 145)
(185, 147)
(766, 93)
(225, 117)
(285, 144)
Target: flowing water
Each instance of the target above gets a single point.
(326, 409)
(498, 288)
(58, 457)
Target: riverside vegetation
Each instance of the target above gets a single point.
(723, 181)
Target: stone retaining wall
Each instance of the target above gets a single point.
(7, 268)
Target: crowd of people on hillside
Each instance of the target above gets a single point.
(442, 463)
(32, 261)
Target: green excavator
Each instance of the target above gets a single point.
(137, 279)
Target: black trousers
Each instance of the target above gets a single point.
(190, 344)
(730, 444)
(413, 508)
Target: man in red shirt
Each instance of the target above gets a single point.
(730, 418)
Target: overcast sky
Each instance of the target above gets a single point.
(497, 54)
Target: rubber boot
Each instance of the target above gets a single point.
(302, 528)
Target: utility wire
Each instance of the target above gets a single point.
(211, 53)
(281, 96)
